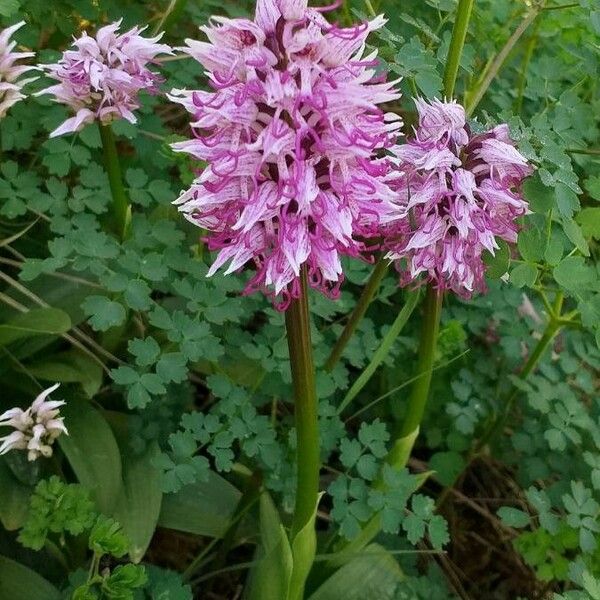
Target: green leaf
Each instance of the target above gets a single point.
(523, 275)
(270, 577)
(14, 499)
(447, 466)
(172, 367)
(166, 585)
(555, 249)
(438, 532)
(56, 508)
(103, 313)
(146, 351)
(136, 178)
(414, 527)
(9, 7)
(70, 367)
(573, 274)
(513, 517)
(497, 265)
(304, 547)
(119, 585)
(592, 185)
(138, 507)
(374, 574)
(107, 537)
(540, 197)
(17, 582)
(137, 295)
(575, 234)
(531, 244)
(567, 201)
(39, 321)
(93, 453)
(589, 220)
(203, 508)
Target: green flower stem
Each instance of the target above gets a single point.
(297, 321)
(459, 34)
(420, 390)
(121, 209)
(358, 313)
(400, 452)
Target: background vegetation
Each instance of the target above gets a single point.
(178, 387)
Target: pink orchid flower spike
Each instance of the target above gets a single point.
(292, 131)
(458, 193)
(101, 77)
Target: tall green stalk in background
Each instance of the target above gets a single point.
(121, 209)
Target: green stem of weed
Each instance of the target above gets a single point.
(170, 16)
(490, 73)
(412, 299)
(358, 313)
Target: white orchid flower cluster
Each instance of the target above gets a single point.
(35, 428)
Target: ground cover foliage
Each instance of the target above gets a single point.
(178, 477)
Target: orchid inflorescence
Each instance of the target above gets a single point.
(34, 429)
(291, 134)
(299, 164)
(101, 78)
(458, 194)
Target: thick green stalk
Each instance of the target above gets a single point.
(358, 313)
(121, 209)
(428, 342)
(297, 322)
(459, 34)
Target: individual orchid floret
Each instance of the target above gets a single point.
(101, 78)
(292, 132)
(458, 194)
(35, 428)
(11, 82)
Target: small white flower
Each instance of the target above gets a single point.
(36, 428)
